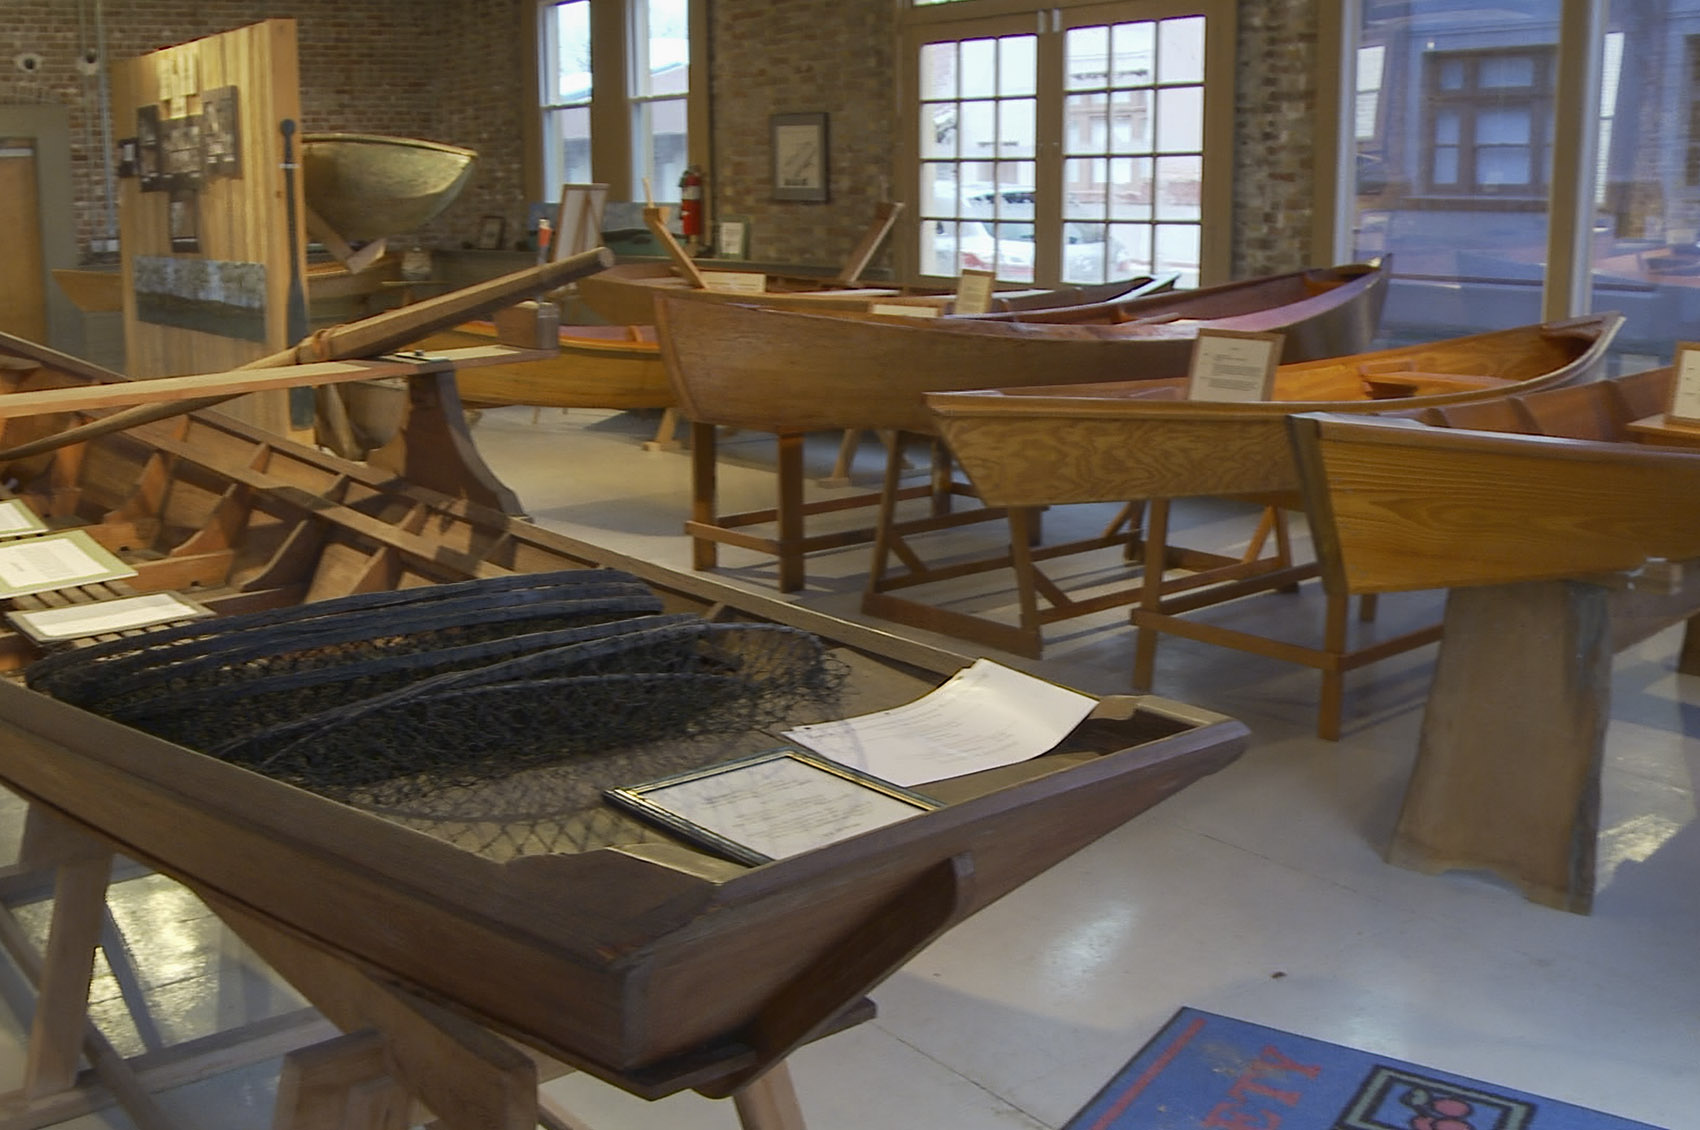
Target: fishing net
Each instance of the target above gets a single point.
(430, 699)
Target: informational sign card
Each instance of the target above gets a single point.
(1233, 365)
(56, 561)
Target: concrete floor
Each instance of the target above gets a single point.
(1259, 892)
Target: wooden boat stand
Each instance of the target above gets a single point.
(1507, 776)
(789, 543)
(402, 1059)
(1164, 601)
(1040, 599)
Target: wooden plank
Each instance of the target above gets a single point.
(884, 218)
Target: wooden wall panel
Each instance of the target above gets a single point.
(241, 219)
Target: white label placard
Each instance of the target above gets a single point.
(736, 282)
(904, 310)
(730, 241)
(16, 520)
(104, 616)
(56, 561)
(973, 291)
(1685, 385)
(1233, 365)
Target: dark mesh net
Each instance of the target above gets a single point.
(425, 698)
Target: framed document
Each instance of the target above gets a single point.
(75, 621)
(732, 239)
(56, 561)
(799, 157)
(1233, 365)
(770, 805)
(736, 282)
(1684, 407)
(973, 291)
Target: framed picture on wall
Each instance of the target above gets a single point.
(491, 229)
(799, 157)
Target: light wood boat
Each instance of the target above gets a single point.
(1114, 442)
(645, 961)
(1558, 519)
(789, 372)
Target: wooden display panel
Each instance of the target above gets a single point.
(241, 207)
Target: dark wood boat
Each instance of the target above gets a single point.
(1558, 519)
(1121, 441)
(635, 956)
(744, 367)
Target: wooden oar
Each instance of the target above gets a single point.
(378, 334)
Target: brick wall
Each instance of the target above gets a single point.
(1275, 92)
(361, 69)
(801, 56)
(451, 70)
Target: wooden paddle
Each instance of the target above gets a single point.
(377, 334)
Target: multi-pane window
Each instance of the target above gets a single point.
(566, 95)
(1489, 116)
(614, 79)
(1134, 147)
(661, 50)
(978, 136)
(1070, 153)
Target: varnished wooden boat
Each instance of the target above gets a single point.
(638, 958)
(625, 294)
(789, 372)
(1564, 523)
(597, 367)
(741, 366)
(1115, 442)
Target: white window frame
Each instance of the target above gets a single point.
(617, 113)
(967, 19)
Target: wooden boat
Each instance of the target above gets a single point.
(1557, 518)
(1113, 442)
(625, 294)
(650, 963)
(744, 367)
(367, 186)
(617, 367)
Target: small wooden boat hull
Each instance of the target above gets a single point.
(616, 367)
(1407, 505)
(625, 294)
(368, 186)
(638, 958)
(780, 370)
(1118, 441)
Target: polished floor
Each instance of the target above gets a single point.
(1259, 893)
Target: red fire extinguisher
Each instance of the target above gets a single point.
(690, 201)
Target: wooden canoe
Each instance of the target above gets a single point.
(745, 366)
(638, 958)
(598, 367)
(625, 294)
(1121, 442)
(1564, 523)
(1114, 441)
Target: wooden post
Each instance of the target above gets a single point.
(1507, 777)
